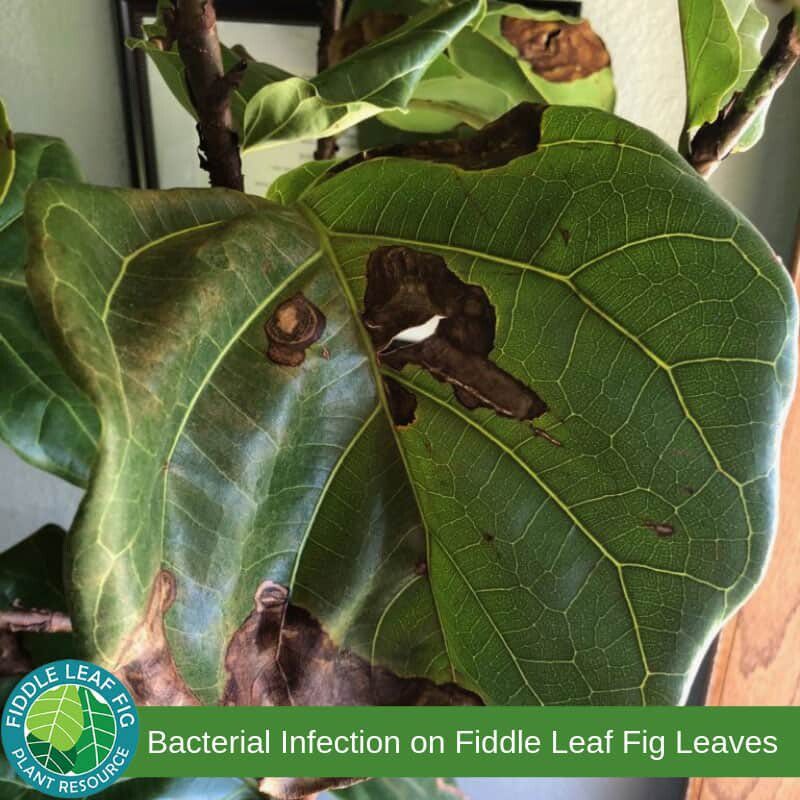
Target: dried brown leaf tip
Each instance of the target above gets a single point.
(511, 136)
(558, 51)
(405, 288)
(293, 327)
(366, 29)
(145, 663)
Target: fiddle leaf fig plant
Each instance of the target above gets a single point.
(492, 418)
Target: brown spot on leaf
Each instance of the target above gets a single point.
(402, 403)
(10, 143)
(145, 663)
(514, 134)
(366, 29)
(293, 327)
(565, 235)
(488, 537)
(281, 655)
(661, 529)
(559, 51)
(421, 569)
(405, 288)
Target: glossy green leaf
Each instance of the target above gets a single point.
(379, 77)
(652, 319)
(43, 416)
(722, 42)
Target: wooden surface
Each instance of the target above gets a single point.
(758, 658)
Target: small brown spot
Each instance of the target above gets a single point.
(421, 568)
(488, 537)
(688, 491)
(565, 235)
(326, 354)
(350, 39)
(511, 136)
(661, 529)
(559, 51)
(294, 326)
(10, 143)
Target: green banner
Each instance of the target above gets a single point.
(479, 742)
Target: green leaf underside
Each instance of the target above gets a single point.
(652, 319)
(57, 717)
(722, 42)
(43, 416)
(379, 77)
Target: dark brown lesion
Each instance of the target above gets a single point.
(281, 655)
(515, 134)
(558, 51)
(145, 663)
(405, 288)
(294, 326)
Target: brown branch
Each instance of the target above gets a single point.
(193, 24)
(332, 11)
(716, 140)
(34, 620)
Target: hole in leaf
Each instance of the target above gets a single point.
(406, 289)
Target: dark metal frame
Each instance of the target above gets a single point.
(133, 68)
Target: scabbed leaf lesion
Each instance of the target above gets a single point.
(406, 288)
(557, 50)
(294, 326)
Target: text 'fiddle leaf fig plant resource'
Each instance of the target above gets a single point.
(558, 497)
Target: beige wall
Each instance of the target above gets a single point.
(59, 75)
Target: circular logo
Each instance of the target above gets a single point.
(70, 728)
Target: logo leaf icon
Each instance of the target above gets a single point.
(98, 735)
(50, 757)
(56, 717)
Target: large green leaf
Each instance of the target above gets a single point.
(379, 77)
(650, 317)
(722, 47)
(43, 416)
